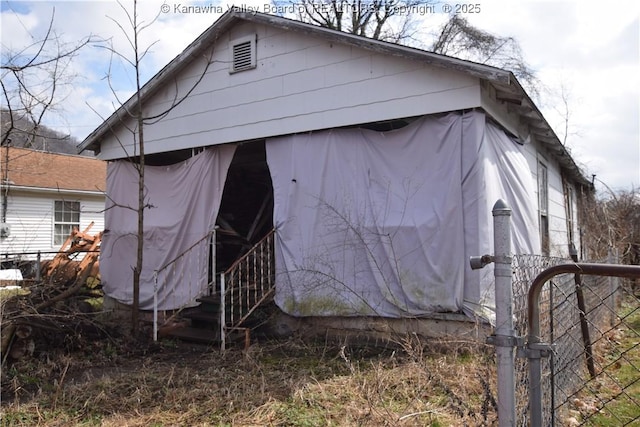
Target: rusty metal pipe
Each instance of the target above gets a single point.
(584, 325)
(533, 317)
(533, 297)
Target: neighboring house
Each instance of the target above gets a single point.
(377, 165)
(44, 196)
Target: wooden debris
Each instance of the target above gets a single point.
(63, 268)
(52, 307)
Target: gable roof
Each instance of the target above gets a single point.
(507, 88)
(42, 170)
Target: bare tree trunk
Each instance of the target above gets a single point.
(141, 204)
(140, 233)
(136, 111)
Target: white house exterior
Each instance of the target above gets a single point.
(45, 195)
(255, 79)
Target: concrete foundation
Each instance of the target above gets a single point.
(437, 325)
(361, 329)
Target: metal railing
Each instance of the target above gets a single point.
(565, 369)
(537, 349)
(183, 265)
(248, 283)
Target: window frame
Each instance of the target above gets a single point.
(543, 207)
(64, 219)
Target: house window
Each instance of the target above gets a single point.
(543, 206)
(570, 216)
(66, 217)
(243, 54)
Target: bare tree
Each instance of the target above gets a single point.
(396, 21)
(132, 31)
(458, 38)
(388, 20)
(133, 118)
(32, 79)
(612, 222)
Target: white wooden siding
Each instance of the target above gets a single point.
(300, 84)
(499, 112)
(558, 239)
(558, 235)
(30, 215)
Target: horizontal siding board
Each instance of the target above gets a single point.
(243, 111)
(92, 210)
(319, 54)
(311, 83)
(559, 240)
(303, 82)
(389, 67)
(390, 109)
(31, 218)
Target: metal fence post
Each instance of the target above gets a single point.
(537, 349)
(612, 258)
(212, 261)
(155, 305)
(504, 338)
(582, 314)
(223, 309)
(38, 267)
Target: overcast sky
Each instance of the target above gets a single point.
(590, 49)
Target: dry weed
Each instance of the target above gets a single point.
(291, 383)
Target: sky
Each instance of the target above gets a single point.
(585, 54)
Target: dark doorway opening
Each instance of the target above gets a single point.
(246, 210)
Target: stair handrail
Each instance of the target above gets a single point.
(210, 235)
(183, 253)
(250, 251)
(226, 279)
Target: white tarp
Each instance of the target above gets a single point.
(495, 168)
(372, 223)
(183, 201)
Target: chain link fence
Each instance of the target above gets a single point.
(592, 376)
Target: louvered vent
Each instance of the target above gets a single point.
(243, 56)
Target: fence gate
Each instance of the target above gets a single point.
(585, 327)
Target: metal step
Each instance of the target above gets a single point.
(209, 336)
(210, 304)
(212, 299)
(212, 318)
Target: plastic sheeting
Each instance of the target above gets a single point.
(183, 201)
(495, 168)
(382, 224)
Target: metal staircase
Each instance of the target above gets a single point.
(227, 313)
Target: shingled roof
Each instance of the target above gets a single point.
(42, 170)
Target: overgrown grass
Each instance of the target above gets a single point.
(414, 383)
(620, 384)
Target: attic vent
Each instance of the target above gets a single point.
(243, 54)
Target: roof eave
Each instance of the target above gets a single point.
(472, 68)
(543, 132)
(48, 190)
(91, 142)
(496, 76)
